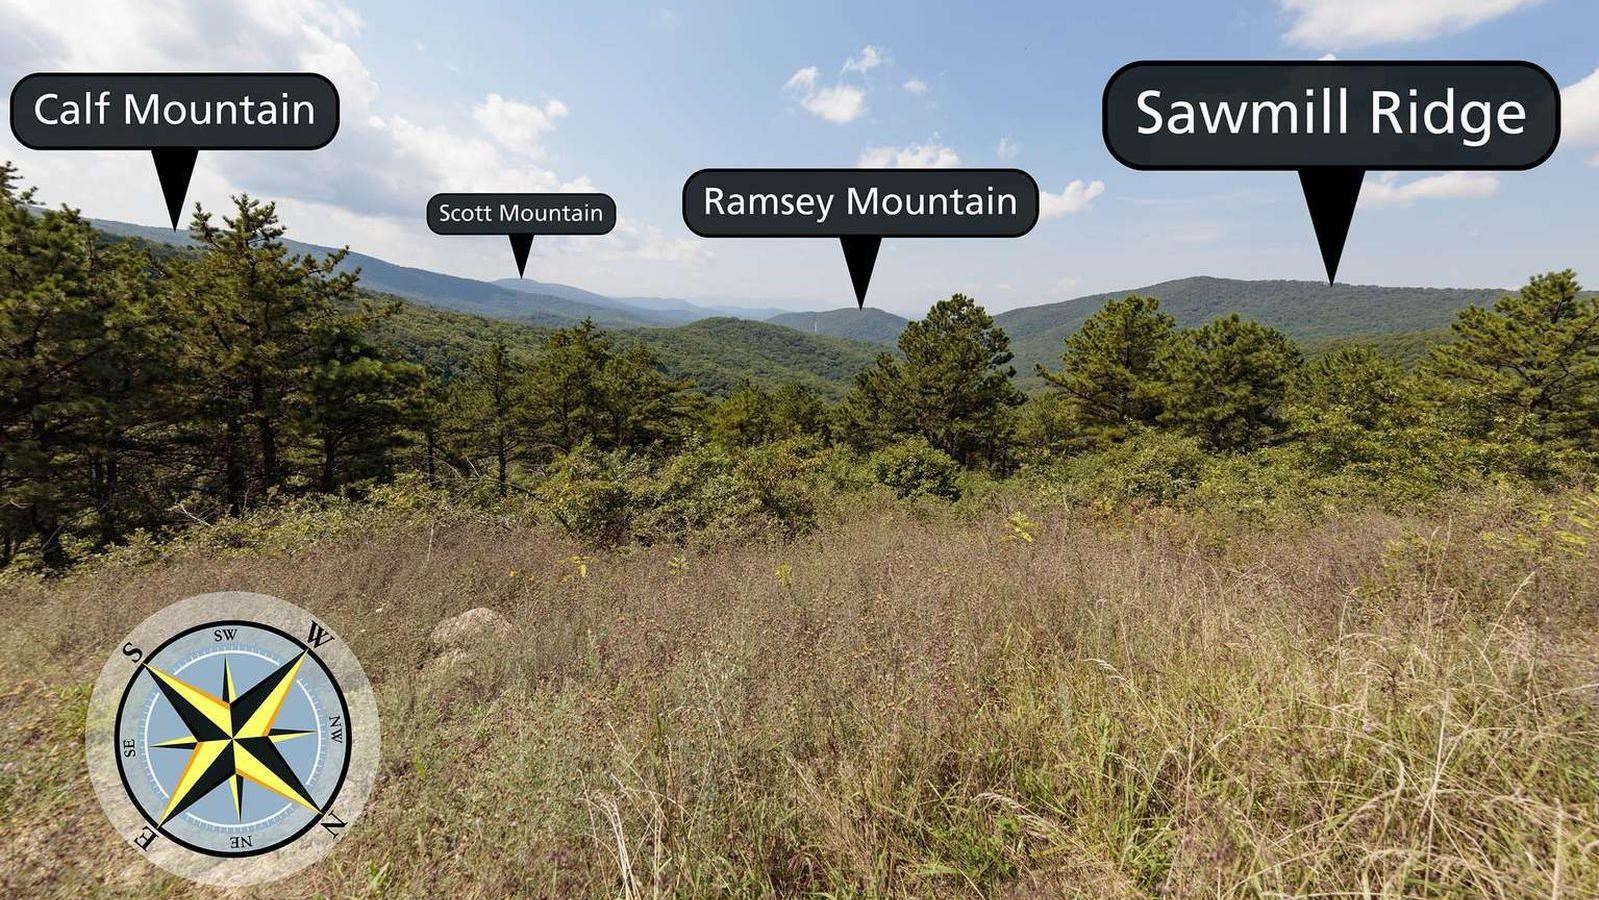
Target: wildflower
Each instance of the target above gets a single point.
(785, 575)
(1021, 527)
(582, 566)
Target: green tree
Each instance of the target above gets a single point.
(1523, 376)
(1225, 382)
(489, 405)
(953, 387)
(1109, 379)
(256, 320)
(82, 350)
(752, 415)
(1355, 413)
(359, 408)
(583, 389)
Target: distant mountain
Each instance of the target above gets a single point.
(1308, 311)
(718, 345)
(871, 325)
(716, 354)
(436, 289)
(719, 353)
(664, 308)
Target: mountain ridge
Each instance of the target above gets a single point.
(1312, 312)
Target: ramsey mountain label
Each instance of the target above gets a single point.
(860, 202)
(232, 738)
(860, 207)
(174, 116)
(1331, 121)
(521, 216)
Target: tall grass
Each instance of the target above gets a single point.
(907, 704)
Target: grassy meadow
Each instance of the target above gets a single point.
(1005, 697)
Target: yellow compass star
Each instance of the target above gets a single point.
(231, 739)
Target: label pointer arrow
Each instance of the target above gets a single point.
(520, 245)
(860, 254)
(174, 168)
(1331, 193)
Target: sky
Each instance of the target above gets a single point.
(631, 98)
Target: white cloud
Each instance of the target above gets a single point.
(839, 103)
(1346, 24)
(1579, 114)
(517, 126)
(1388, 191)
(368, 187)
(1007, 149)
(1078, 196)
(931, 155)
(916, 86)
(802, 81)
(869, 59)
(420, 156)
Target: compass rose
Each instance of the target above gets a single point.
(232, 738)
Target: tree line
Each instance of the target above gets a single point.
(142, 390)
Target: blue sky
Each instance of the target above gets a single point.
(629, 99)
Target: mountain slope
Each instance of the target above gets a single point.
(719, 353)
(1308, 311)
(667, 309)
(871, 325)
(715, 354)
(436, 289)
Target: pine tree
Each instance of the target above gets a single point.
(1109, 381)
(1524, 376)
(952, 388)
(583, 389)
(752, 415)
(80, 354)
(490, 407)
(1357, 414)
(1225, 382)
(256, 320)
(359, 408)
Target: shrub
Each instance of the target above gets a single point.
(696, 491)
(915, 468)
(586, 492)
(1154, 466)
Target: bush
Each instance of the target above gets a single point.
(914, 468)
(709, 492)
(586, 492)
(1154, 466)
(696, 491)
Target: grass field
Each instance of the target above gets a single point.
(908, 703)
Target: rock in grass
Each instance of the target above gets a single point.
(469, 629)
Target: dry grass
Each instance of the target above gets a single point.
(904, 705)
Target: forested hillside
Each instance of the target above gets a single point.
(147, 390)
(1309, 311)
(871, 325)
(449, 292)
(717, 354)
